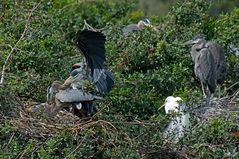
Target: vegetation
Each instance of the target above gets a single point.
(148, 66)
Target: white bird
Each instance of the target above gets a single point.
(180, 121)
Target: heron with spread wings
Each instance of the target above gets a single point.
(73, 94)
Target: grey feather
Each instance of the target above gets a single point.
(204, 68)
(209, 62)
(220, 61)
(130, 28)
(80, 75)
(92, 45)
(104, 80)
(50, 93)
(75, 95)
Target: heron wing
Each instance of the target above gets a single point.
(206, 68)
(92, 45)
(217, 52)
(75, 95)
(219, 59)
(105, 81)
(130, 28)
(50, 93)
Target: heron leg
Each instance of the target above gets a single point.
(209, 98)
(203, 90)
(94, 109)
(219, 92)
(89, 109)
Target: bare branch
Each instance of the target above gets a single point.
(14, 47)
(78, 146)
(87, 26)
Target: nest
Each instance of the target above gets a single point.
(39, 126)
(218, 108)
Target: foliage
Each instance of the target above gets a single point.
(213, 139)
(148, 66)
(227, 28)
(48, 45)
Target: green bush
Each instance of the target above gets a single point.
(148, 66)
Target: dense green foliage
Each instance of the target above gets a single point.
(148, 66)
(161, 7)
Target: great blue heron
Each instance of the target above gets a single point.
(136, 27)
(180, 119)
(91, 70)
(209, 64)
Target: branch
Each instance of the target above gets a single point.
(87, 26)
(78, 146)
(14, 47)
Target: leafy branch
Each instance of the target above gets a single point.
(16, 44)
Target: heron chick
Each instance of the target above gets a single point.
(139, 26)
(180, 119)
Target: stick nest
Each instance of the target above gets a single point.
(39, 126)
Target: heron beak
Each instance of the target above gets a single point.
(188, 42)
(161, 107)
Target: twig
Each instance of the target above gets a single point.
(10, 140)
(232, 85)
(76, 147)
(98, 112)
(234, 95)
(6, 45)
(22, 154)
(91, 123)
(135, 123)
(14, 47)
(35, 149)
(87, 26)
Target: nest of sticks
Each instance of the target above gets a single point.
(38, 125)
(223, 107)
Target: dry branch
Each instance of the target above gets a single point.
(15, 45)
(89, 27)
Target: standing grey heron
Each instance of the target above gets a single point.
(136, 27)
(179, 122)
(209, 64)
(91, 70)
